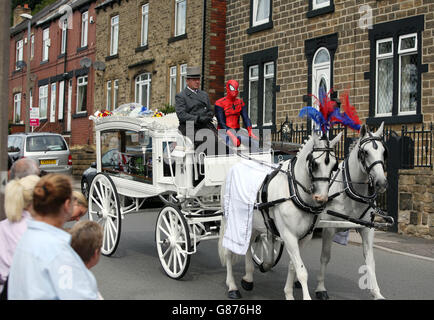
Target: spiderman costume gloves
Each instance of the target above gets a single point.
(236, 142)
(251, 134)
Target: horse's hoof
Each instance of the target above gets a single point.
(322, 295)
(248, 286)
(297, 284)
(234, 294)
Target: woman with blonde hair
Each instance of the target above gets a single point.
(80, 205)
(18, 208)
(44, 266)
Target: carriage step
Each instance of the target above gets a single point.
(338, 224)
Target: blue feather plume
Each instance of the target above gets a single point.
(313, 114)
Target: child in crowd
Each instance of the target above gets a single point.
(86, 240)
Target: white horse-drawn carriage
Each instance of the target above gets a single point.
(142, 157)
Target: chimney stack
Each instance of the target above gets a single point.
(20, 10)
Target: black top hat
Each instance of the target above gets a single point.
(193, 72)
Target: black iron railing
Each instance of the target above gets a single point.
(416, 143)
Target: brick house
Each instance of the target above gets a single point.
(62, 83)
(383, 51)
(147, 45)
(282, 51)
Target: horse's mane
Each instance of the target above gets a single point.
(305, 148)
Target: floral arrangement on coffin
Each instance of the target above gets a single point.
(100, 114)
(157, 114)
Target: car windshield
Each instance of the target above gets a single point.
(45, 143)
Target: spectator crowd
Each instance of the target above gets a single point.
(39, 258)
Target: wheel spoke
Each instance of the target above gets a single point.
(178, 254)
(165, 253)
(174, 260)
(164, 231)
(112, 230)
(170, 257)
(96, 202)
(98, 192)
(105, 243)
(168, 225)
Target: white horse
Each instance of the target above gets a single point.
(310, 172)
(363, 166)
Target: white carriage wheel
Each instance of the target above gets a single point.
(172, 236)
(259, 248)
(104, 208)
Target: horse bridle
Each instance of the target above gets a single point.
(313, 166)
(361, 153)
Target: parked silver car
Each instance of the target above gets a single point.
(50, 150)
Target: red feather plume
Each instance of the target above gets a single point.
(349, 109)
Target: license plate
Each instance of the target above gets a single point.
(47, 161)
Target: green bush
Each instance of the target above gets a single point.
(167, 108)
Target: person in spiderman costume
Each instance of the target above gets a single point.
(228, 110)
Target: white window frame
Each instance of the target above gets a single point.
(64, 34)
(267, 76)
(319, 6)
(109, 96)
(172, 77)
(81, 82)
(43, 101)
(182, 76)
(32, 46)
(252, 79)
(411, 50)
(144, 25)
(180, 32)
(114, 35)
(53, 103)
(255, 22)
(84, 28)
(45, 44)
(142, 82)
(19, 49)
(115, 93)
(402, 53)
(61, 99)
(378, 58)
(17, 107)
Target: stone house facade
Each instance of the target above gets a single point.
(61, 85)
(147, 45)
(382, 51)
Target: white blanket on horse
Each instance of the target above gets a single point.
(242, 185)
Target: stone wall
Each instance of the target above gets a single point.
(82, 157)
(416, 195)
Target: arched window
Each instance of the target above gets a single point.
(143, 89)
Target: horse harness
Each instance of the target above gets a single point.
(350, 190)
(263, 204)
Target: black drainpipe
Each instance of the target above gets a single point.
(203, 43)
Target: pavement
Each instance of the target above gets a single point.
(388, 241)
(400, 244)
(76, 183)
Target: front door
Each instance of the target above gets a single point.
(321, 79)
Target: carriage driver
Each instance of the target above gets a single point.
(228, 110)
(192, 105)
